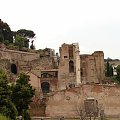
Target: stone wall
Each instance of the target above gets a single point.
(20, 59)
(45, 63)
(92, 67)
(63, 103)
(24, 61)
(17, 55)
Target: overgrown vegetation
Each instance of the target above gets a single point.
(2, 117)
(7, 107)
(116, 78)
(16, 39)
(22, 92)
(109, 72)
(15, 99)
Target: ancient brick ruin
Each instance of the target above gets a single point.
(66, 79)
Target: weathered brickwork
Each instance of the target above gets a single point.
(92, 67)
(73, 69)
(69, 79)
(63, 103)
(79, 69)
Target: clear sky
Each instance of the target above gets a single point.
(94, 24)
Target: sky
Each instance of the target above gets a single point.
(94, 24)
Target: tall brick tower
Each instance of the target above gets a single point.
(69, 66)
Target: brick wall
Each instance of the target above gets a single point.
(63, 103)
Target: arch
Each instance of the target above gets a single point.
(45, 86)
(14, 68)
(71, 66)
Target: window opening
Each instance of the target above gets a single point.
(14, 68)
(45, 86)
(71, 66)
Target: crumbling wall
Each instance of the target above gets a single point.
(20, 59)
(92, 67)
(18, 55)
(67, 71)
(63, 103)
(45, 63)
(25, 61)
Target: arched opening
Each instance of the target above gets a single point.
(14, 68)
(45, 86)
(71, 66)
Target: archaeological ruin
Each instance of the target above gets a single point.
(64, 80)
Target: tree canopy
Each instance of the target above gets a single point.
(118, 74)
(5, 33)
(109, 69)
(26, 35)
(15, 99)
(22, 93)
(21, 37)
(19, 41)
(7, 107)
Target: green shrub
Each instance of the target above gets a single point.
(9, 109)
(26, 115)
(3, 117)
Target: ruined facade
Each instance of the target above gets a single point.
(69, 78)
(75, 69)
(55, 72)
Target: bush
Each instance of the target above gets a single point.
(3, 117)
(9, 109)
(26, 115)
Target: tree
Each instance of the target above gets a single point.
(117, 78)
(22, 36)
(27, 35)
(7, 108)
(5, 33)
(22, 93)
(109, 69)
(1, 37)
(19, 41)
